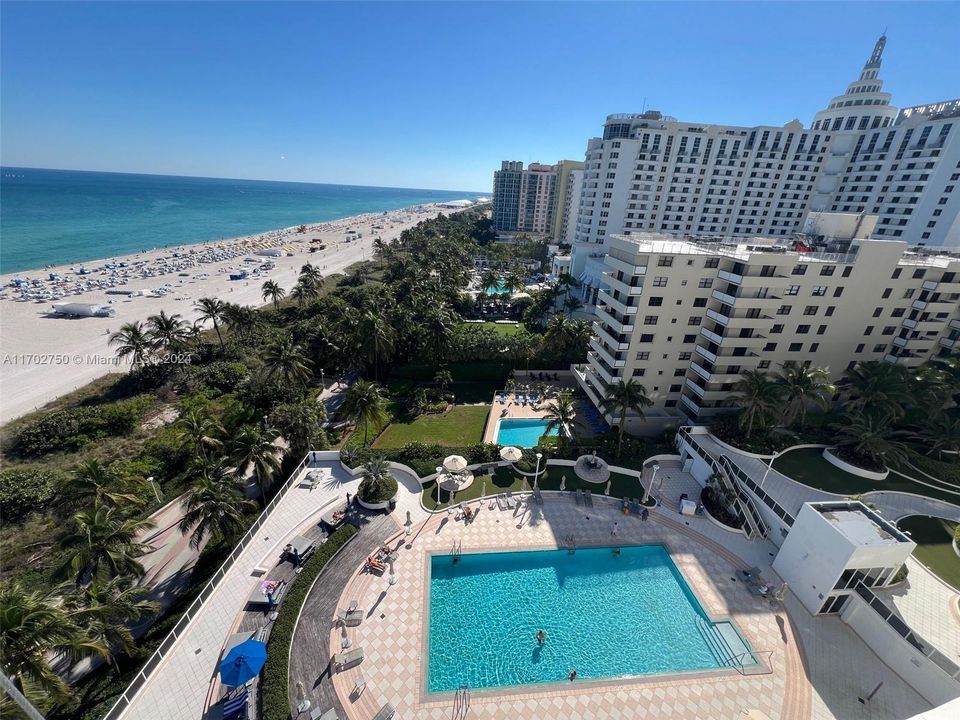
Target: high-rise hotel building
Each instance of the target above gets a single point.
(523, 199)
(684, 317)
(650, 173)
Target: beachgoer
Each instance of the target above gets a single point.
(613, 530)
(573, 675)
(541, 637)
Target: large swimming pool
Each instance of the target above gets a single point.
(607, 612)
(523, 432)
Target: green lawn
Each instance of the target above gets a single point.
(506, 480)
(461, 425)
(809, 467)
(499, 328)
(934, 549)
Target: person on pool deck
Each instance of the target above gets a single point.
(573, 675)
(541, 637)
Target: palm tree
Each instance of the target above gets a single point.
(211, 309)
(301, 294)
(758, 398)
(513, 283)
(132, 341)
(103, 485)
(284, 360)
(364, 403)
(376, 338)
(214, 506)
(437, 332)
(875, 385)
(311, 279)
(380, 247)
(443, 379)
(199, 433)
(301, 425)
(255, 447)
(801, 386)
(35, 627)
(377, 484)
(167, 332)
(241, 319)
(101, 542)
(272, 291)
(871, 436)
(560, 414)
(572, 304)
(488, 281)
(557, 333)
(108, 607)
(941, 433)
(623, 397)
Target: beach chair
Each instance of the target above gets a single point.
(385, 713)
(501, 502)
(588, 498)
(578, 496)
(350, 618)
(344, 660)
(236, 707)
(511, 503)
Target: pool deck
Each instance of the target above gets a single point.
(503, 411)
(394, 637)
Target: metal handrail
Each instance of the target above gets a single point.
(762, 668)
(128, 695)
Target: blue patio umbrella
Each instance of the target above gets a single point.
(243, 663)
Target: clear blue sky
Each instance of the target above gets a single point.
(428, 95)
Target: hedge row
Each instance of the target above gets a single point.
(274, 689)
(947, 471)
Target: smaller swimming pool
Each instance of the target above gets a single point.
(498, 290)
(523, 432)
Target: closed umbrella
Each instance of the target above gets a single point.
(455, 463)
(511, 454)
(243, 663)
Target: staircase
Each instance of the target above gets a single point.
(716, 642)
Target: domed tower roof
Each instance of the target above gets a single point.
(864, 104)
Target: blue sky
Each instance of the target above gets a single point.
(428, 95)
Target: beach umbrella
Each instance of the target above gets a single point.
(607, 491)
(563, 483)
(511, 454)
(455, 463)
(243, 663)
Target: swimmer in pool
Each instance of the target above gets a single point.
(541, 637)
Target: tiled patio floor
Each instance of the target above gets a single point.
(394, 644)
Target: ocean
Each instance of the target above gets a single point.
(56, 217)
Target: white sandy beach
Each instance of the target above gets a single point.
(44, 356)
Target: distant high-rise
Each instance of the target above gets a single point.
(650, 173)
(566, 200)
(523, 200)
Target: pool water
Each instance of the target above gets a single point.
(498, 290)
(607, 614)
(523, 432)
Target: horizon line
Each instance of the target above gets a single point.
(211, 177)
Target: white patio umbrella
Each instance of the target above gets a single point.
(563, 483)
(511, 454)
(455, 463)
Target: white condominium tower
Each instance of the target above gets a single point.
(684, 317)
(650, 173)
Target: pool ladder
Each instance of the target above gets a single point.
(457, 551)
(461, 702)
(570, 541)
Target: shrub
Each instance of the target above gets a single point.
(944, 470)
(72, 428)
(900, 575)
(274, 690)
(24, 490)
(378, 491)
(221, 377)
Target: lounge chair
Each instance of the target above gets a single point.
(511, 503)
(236, 707)
(341, 661)
(578, 496)
(501, 502)
(374, 566)
(761, 590)
(385, 713)
(587, 498)
(330, 714)
(353, 605)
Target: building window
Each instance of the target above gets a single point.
(803, 329)
(665, 261)
(705, 283)
(639, 372)
(859, 348)
(837, 291)
(795, 347)
(646, 338)
(699, 302)
(793, 290)
(694, 320)
(821, 330)
(869, 330)
(918, 274)
(827, 270)
(655, 301)
(689, 338)
(650, 319)
(784, 309)
(685, 356)
(811, 309)
(907, 294)
(712, 263)
(896, 273)
(814, 347)
(800, 269)
(643, 356)
(763, 364)
(830, 309)
(660, 281)
(888, 330)
(821, 290)
(846, 271)
(879, 348)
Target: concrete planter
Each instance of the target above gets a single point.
(376, 506)
(720, 525)
(853, 469)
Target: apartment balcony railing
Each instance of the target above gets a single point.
(718, 317)
(605, 353)
(731, 277)
(620, 285)
(955, 324)
(696, 388)
(612, 341)
(703, 352)
(919, 305)
(724, 297)
(700, 370)
(949, 343)
(605, 297)
(711, 336)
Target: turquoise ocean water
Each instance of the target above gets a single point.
(53, 217)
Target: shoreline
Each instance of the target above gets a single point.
(46, 356)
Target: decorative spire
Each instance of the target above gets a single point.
(874, 62)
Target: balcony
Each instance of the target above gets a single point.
(955, 324)
(724, 298)
(890, 358)
(604, 353)
(620, 285)
(604, 297)
(690, 404)
(609, 321)
(700, 370)
(703, 352)
(909, 324)
(948, 342)
(599, 369)
(600, 330)
(731, 277)
(711, 336)
(900, 341)
(696, 388)
(624, 267)
(919, 305)
(930, 285)
(717, 317)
